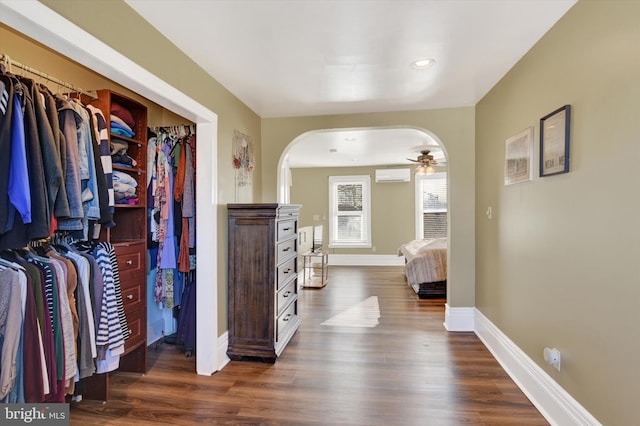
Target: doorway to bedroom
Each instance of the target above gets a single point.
(404, 202)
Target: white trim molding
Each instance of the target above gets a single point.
(553, 402)
(223, 344)
(458, 319)
(365, 260)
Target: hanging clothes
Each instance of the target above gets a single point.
(171, 197)
(163, 210)
(61, 311)
(14, 232)
(10, 329)
(57, 174)
(57, 204)
(171, 187)
(63, 290)
(69, 122)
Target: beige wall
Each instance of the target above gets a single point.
(454, 127)
(392, 207)
(558, 263)
(117, 25)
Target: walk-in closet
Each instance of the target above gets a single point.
(97, 228)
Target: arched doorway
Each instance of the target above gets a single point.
(396, 218)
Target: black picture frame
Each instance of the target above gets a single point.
(554, 142)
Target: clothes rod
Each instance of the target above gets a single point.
(9, 63)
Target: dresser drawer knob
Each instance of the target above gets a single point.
(130, 296)
(129, 262)
(286, 271)
(286, 294)
(285, 229)
(287, 317)
(286, 249)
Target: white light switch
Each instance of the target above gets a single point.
(489, 212)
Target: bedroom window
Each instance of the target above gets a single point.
(431, 206)
(350, 211)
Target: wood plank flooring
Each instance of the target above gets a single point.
(368, 352)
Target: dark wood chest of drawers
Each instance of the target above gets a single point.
(263, 279)
(132, 267)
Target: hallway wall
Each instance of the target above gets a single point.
(557, 265)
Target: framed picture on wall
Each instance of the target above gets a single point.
(518, 157)
(554, 142)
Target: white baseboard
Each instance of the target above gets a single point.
(365, 260)
(459, 319)
(555, 404)
(223, 343)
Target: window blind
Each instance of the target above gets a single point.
(350, 211)
(434, 205)
(350, 215)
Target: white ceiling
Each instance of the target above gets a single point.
(317, 57)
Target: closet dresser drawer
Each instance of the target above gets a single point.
(286, 229)
(285, 272)
(286, 295)
(287, 320)
(287, 249)
(131, 258)
(133, 284)
(132, 298)
(137, 323)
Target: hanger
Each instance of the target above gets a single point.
(40, 247)
(4, 264)
(5, 64)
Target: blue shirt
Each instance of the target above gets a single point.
(19, 189)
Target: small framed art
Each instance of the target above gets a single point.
(554, 142)
(518, 157)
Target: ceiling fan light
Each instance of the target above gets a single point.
(425, 169)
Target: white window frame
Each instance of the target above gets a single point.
(334, 181)
(420, 201)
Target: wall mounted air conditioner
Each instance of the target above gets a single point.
(393, 175)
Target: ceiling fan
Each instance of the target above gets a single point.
(426, 163)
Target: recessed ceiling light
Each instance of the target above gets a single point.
(423, 63)
(350, 139)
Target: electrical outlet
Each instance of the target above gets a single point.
(553, 357)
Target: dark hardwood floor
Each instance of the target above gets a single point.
(368, 352)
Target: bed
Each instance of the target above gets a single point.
(426, 266)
